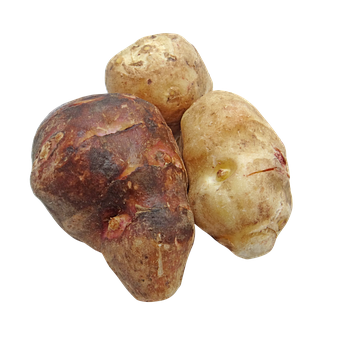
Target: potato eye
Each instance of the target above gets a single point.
(146, 49)
(223, 174)
(224, 169)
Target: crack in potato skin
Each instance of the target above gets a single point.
(259, 171)
(111, 176)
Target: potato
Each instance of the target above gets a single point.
(163, 69)
(108, 170)
(238, 173)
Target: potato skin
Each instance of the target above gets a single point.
(108, 170)
(163, 69)
(238, 173)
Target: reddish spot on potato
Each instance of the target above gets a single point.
(115, 226)
(278, 154)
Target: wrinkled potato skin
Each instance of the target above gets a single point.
(239, 186)
(108, 170)
(164, 69)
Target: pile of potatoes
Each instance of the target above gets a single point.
(131, 172)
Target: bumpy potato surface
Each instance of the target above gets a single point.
(239, 186)
(108, 170)
(164, 69)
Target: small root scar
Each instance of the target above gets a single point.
(265, 170)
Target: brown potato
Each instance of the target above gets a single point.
(108, 170)
(238, 173)
(164, 69)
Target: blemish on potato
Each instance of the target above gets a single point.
(113, 223)
(173, 94)
(223, 174)
(130, 96)
(278, 154)
(169, 56)
(146, 49)
(265, 170)
(224, 169)
(45, 150)
(177, 244)
(167, 159)
(138, 63)
(160, 270)
(58, 137)
(88, 99)
(172, 58)
(159, 155)
(48, 148)
(119, 60)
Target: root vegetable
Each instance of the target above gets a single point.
(108, 170)
(163, 69)
(238, 173)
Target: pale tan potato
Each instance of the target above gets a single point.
(164, 69)
(239, 186)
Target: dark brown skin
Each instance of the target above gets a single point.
(108, 170)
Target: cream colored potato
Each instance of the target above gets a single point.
(238, 173)
(164, 69)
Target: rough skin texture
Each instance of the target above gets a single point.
(164, 69)
(108, 170)
(238, 173)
